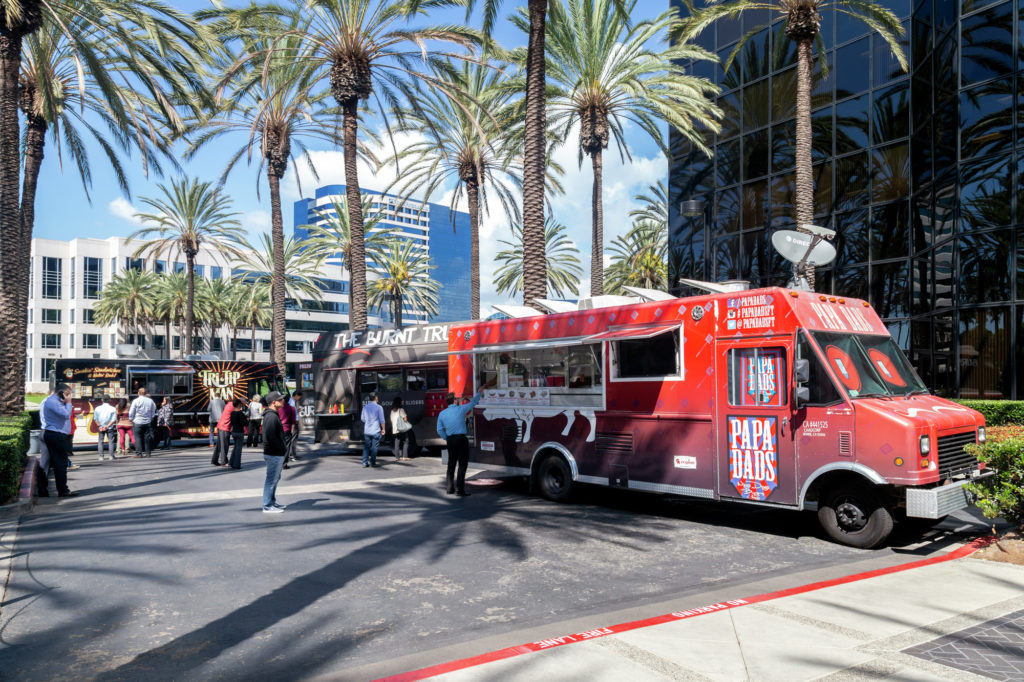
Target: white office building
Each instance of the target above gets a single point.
(67, 278)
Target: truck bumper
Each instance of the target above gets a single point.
(934, 503)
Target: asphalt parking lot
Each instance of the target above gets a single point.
(167, 568)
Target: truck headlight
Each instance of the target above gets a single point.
(981, 434)
(926, 445)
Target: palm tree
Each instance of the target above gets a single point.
(803, 27)
(257, 313)
(139, 36)
(639, 258)
(654, 207)
(169, 304)
(188, 215)
(333, 239)
(302, 275)
(127, 298)
(266, 95)
(403, 269)
(465, 141)
(603, 74)
(217, 304)
(363, 48)
(561, 255)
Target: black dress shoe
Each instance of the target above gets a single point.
(449, 492)
(286, 467)
(68, 494)
(42, 494)
(463, 493)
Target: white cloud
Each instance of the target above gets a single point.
(122, 208)
(254, 222)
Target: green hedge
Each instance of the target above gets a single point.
(1002, 494)
(998, 412)
(13, 452)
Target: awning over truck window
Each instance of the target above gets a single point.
(624, 333)
(391, 364)
(522, 345)
(148, 369)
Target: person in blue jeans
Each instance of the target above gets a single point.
(274, 449)
(373, 430)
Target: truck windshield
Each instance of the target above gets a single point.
(869, 365)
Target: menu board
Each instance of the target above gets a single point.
(516, 396)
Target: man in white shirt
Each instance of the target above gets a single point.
(105, 418)
(142, 412)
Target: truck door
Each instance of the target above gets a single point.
(754, 412)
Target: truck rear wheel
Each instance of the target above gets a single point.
(554, 479)
(855, 516)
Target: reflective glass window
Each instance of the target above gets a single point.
(851, 181)
(942, 275)
(972, 5)
(853, 68)
(890, 236)
(729, 30)
(821, 134)
(848, 27)
(890, 293)
(727, 215)
(891, 114)
(822, 174)
(783, 49)
(756, 155)
(920, 285)
(944, 215)
(1020, 268)
(852, 281)
(851, 237)
(984, 346)
(783, 146)
(985, 191)
(824, 83)
(757, 54)
(755, 196)
(852, 125)
(986, 118)
(727, 161)
(754, 255)
(986, 44)
(890, 172)
(884, 63)
(728, 259)
(985, 267)
(783, 187)
(784, 95)
(921, 221)
(757, 104)
(729, 80)
(730, 106)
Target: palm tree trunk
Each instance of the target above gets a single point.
(534, 263)
(398, 311)
(12, 343)
(252, 349)
(597, 229)
(35, 140)
(473, 194)
(804, 199)
(190, 301)
(357, 258)
(167, 337)
(279, 346)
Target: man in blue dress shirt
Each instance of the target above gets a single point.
(451, 425)
(57, 412)
(373, 430)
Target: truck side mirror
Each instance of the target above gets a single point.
(801, 394)
(802, 371)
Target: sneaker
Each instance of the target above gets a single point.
(273, 510)
(282, 507)
(365, 465)
(74, 466)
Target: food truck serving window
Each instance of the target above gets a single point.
(757, 377)
(162, 383)
(654, 356)
(869, 365)
(549, 375)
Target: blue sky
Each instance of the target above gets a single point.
(63, 211)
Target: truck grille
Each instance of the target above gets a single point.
(952, 458)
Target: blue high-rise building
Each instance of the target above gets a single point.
(442, 232)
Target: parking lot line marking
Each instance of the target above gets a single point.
(510, 652)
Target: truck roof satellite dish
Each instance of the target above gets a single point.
(793, 246)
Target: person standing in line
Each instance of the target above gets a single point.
(125, 434)
(221, 452)
(239, 420)
(164, 422)
(216, 412)
(43, 464)
(289, 422)
(105, 418)
(274, 449)
(451, 425)
(293, 440)
(401, 428)
(373, 428)
(142, 412)
(57, 411)
(255, 420)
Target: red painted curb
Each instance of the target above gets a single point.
(452, 666)
(27, 491)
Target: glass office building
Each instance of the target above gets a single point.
(443, 233)
(919, 174)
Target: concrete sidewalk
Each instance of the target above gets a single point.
(961, 619)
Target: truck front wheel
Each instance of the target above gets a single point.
(554, 479)
(855, 516)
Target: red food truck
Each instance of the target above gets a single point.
(770, 397)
